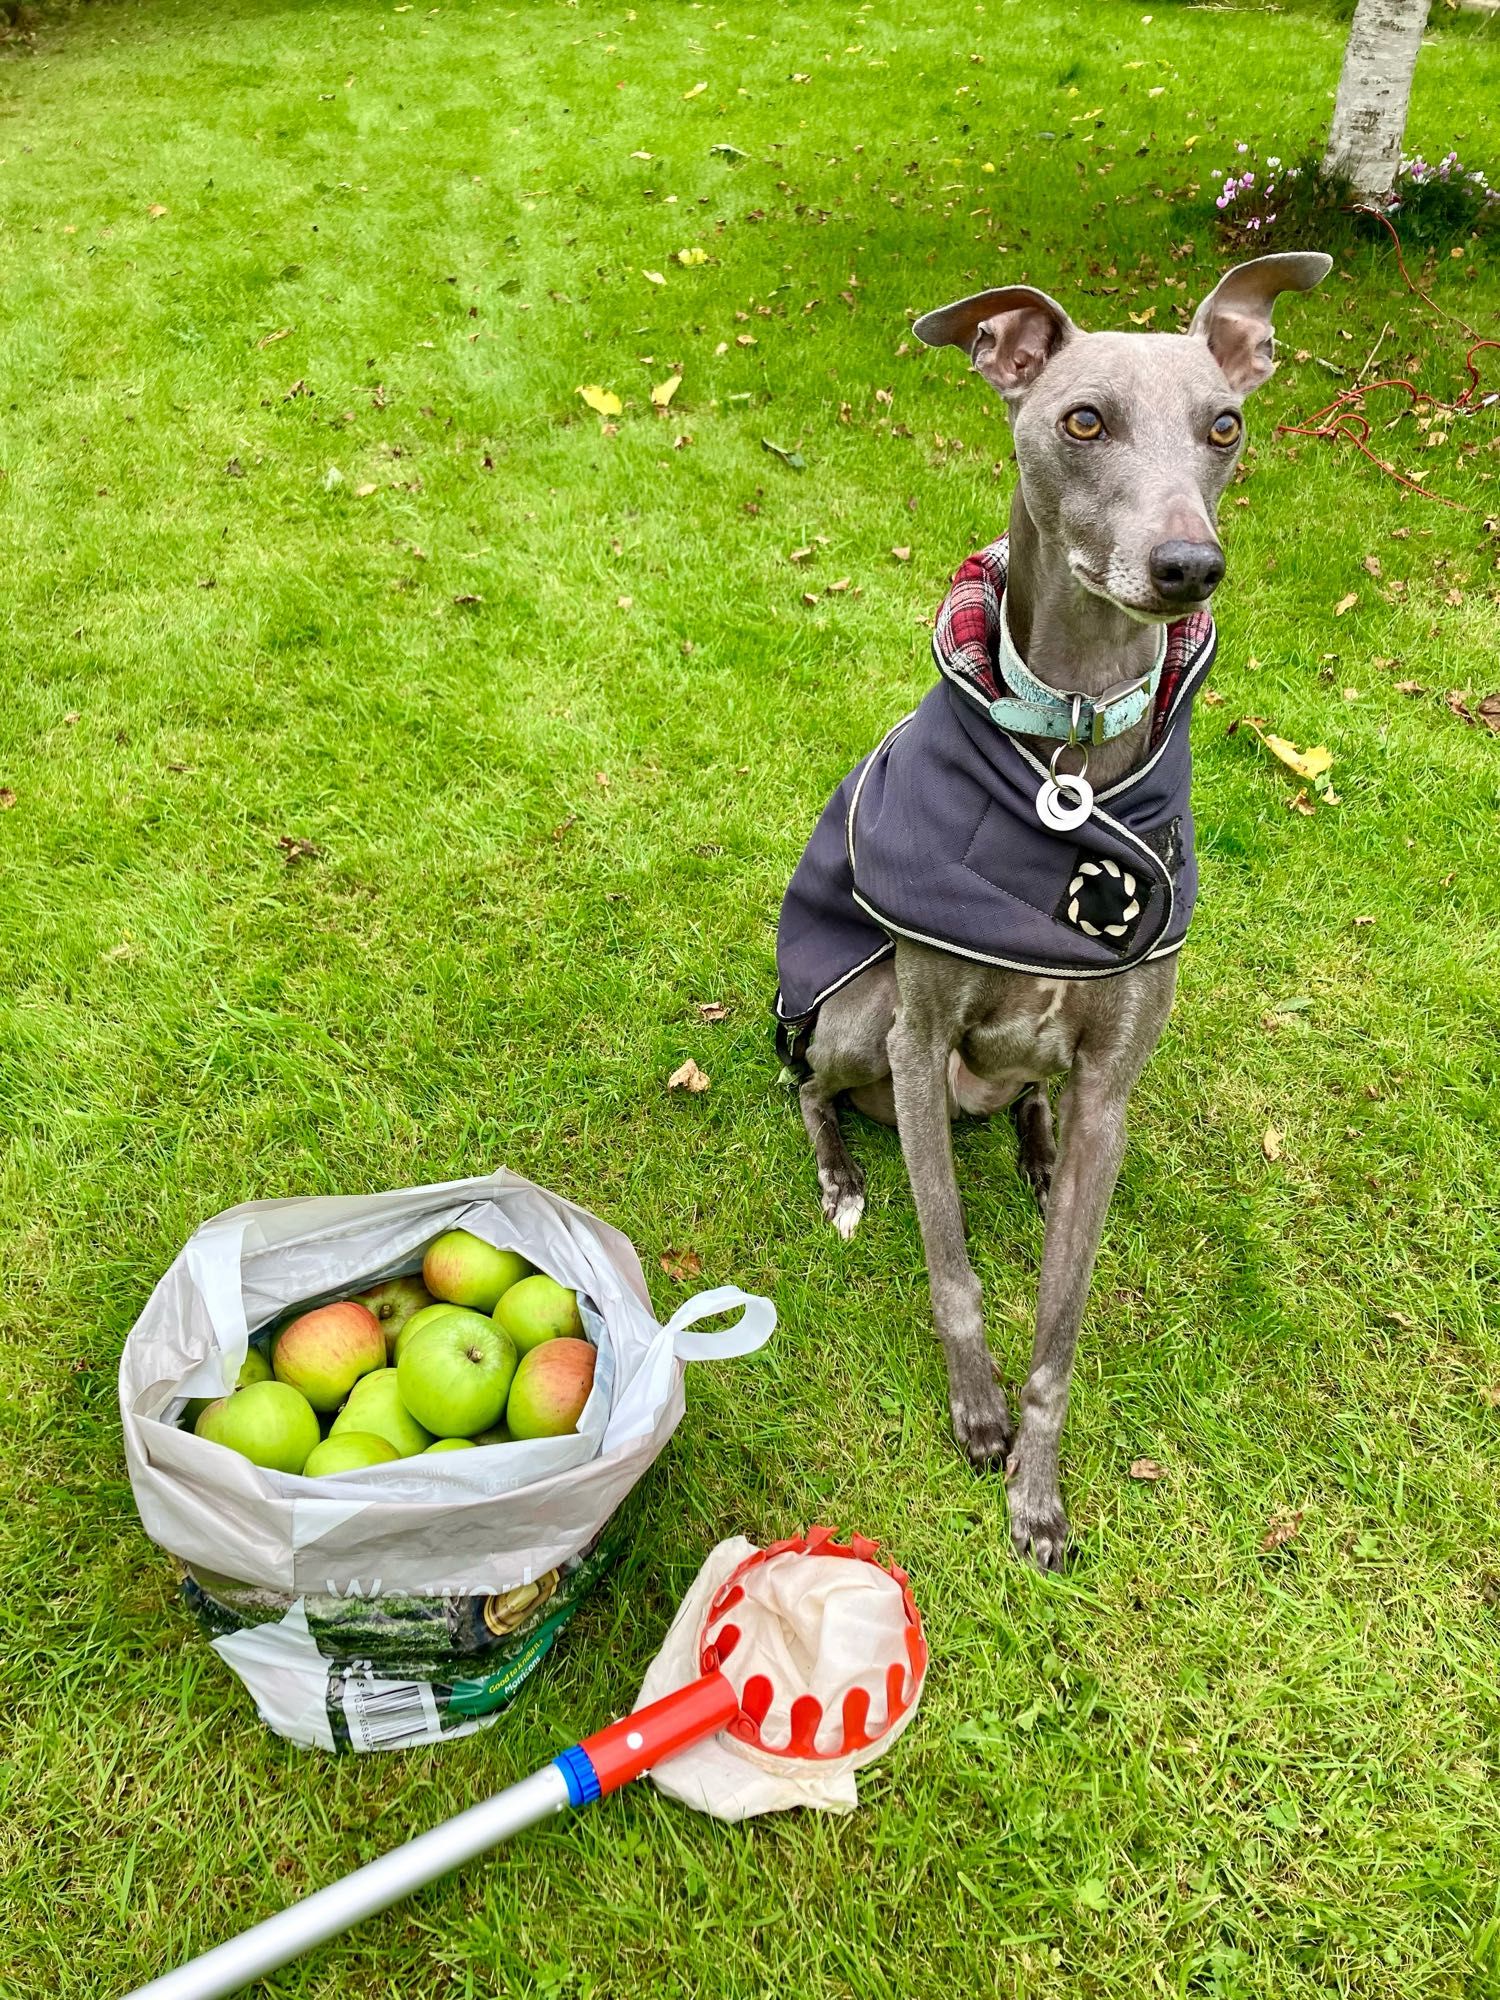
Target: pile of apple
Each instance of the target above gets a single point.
(481, 1349)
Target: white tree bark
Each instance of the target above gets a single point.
(1369, 115)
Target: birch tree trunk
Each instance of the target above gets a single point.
(1369, 114)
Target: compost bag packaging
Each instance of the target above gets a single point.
(404, 1603)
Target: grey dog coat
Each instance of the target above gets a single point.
(935, 835)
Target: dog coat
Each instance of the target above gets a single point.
(935, 835)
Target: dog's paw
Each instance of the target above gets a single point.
(843, 1204)
(1038, 1525)
(981, 1422)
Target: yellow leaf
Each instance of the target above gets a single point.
(1346, 604)
(696, 91)
(693, 256)
(605, 401)
(663, 393)
(1310, 763)
(654, 277)
(643, 156)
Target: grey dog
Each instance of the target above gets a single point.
(1124, 443)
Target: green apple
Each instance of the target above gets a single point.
(449, 1444)
(270, 1423)
(206, 1423)
(254, 1368)
(551, 1386)
(496, 1434)
(393, 1304)
(375, 1405)
(455, 1374)
(469, 1272)
(351, 1451)
(324, 1352)
(538, 1309)
(424, 1318)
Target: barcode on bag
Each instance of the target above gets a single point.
(389, 1715)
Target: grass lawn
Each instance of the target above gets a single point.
(309, 539)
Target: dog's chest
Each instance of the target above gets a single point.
(1030, 1033)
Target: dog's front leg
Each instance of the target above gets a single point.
(1092, 1143)
(918, 1047)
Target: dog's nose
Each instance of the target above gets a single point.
(1186, 572)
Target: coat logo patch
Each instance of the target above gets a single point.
(1105, 900)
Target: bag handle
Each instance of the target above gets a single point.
(751, 1330)
(213, 1254)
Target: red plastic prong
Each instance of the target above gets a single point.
(856, 1715)
(807, 1713)
(756, 1697)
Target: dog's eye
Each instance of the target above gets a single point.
(1225, 430)
(1084, 424)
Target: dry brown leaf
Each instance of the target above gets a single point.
(712, 1010)
(842, 584)
(156, 211)
(809, 597)
(1346, 604)
(1491, 1394)
(688, 1077)
(799, 555)
(744, 340)
(269, 339)
(1372, 564)
(1147, 1468)
(294, 850)
(7, 798)
(681, 1264)
(1270, 1143)
(1410, 687)
(624, 603)
(1284, 1526)
(902, 555)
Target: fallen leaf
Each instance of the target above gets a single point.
(233, 469)
(799, 555)
(1147, 1468)
(712, 1010)
(692, 256)
(1489, 713)
(726, 152)
(792, 458)
(294, 850)
(842, 584)
(468, 598)
(809, 597)
(1491, 1395)
(1312, 763)
(696, 91)
(744, 340)
(1270, 1143)
(604, 401)
(156, 211)
(1456, 700)
(643, 156)
(1410, 687)
(688, 1077)
(7, 798)
(1145, 318)
(331, 478)
(654, 277)
(624, 603)
(1372, 564)
(1284, 1526)
(681, 1264)
(902, 555)
(1363, 923)
(268, 339)
(364, 492)
(663, 393)
(1346, 604)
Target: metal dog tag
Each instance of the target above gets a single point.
(1050, 809)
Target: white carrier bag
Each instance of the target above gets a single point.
(468, 1524)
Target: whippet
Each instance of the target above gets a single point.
(996, 896)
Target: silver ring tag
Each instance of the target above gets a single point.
(1052, 812)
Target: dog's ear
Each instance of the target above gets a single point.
(1235, 318)
(1010, 334)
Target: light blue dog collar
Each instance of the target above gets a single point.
(1031, 708)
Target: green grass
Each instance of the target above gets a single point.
(548, 825)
